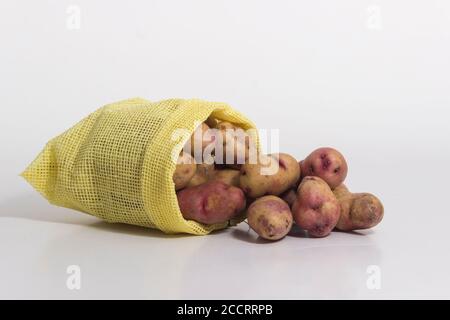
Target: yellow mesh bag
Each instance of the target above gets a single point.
(116, 164)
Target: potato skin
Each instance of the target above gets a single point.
(270, 217)
(225, 125)
(184, 171)
(212, 122)
(256, 183)
(210, 203)
(287, 175)
(316, 208)
(203, 174)
(227, 176)
(341, 191)
(326, 163)
(359, 211)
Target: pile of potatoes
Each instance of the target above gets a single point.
(274, 193)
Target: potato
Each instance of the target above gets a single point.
(184, 170)
(368, 210)
(270, 217)
(212, 122)
(272, 175)
(254, 180)
(210, 203)
(326, 163)
(228, 176)
(200, 139)
(341, 191)
(358, 210)
(316, 208)
(287, 176)
(203, 174)
(225, 125)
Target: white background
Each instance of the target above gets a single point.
(370, 78)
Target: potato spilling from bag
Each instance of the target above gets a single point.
(118, 164)
(358, 210)
(270, 217)
(278, 190)
(272, 175)
(326, 163)
(316, 208)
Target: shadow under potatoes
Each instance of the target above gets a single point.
(33, 207)
(249, 236)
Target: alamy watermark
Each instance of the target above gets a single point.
(373, 281)
(73, 20)
(73, 281)
(374, 19)
(231, 146)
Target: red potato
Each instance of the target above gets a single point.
(316, 209)
(326, 163)
(270, 217)
(358, 210)
(184, 171)
(210, 203)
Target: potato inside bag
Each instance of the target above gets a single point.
(117, 163)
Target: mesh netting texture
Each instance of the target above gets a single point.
(116, 164)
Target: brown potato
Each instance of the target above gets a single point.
(341, 191)
(212, 122)
(316, 209)
(287, 175)
(203, 174)
(358, 210)
(225, 125)
(255, 179)
(228, 176)
(210, 203)
(270, 217)
(326, 163)
(273, 175)
(184, 170)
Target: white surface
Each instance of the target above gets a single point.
(325, 73)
